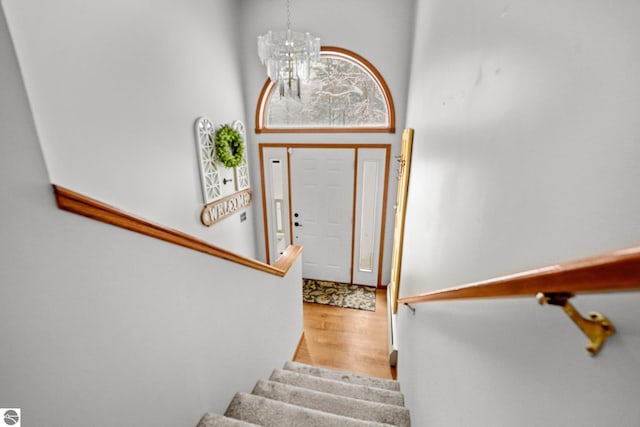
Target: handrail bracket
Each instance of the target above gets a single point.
(413, 309)
(597, 327)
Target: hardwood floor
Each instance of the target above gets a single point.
(347, 339)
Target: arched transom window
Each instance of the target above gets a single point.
(344, 94)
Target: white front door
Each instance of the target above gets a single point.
(322, 201)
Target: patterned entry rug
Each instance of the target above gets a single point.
(339, 294)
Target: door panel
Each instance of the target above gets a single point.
(332, 236)
(322, 210)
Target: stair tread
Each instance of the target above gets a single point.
(343, 376)
(272, 413)
(338, 405)
(341, 388)
(216, 420)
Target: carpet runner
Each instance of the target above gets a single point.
(304, 395)
(339, 294)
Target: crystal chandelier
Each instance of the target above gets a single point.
(288, 56)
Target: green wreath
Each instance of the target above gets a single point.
(229, 146)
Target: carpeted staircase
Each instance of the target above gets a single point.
(303, 395)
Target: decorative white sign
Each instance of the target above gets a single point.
(220, 209)
(213, 174)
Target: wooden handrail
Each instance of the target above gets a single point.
(82, 205)
(615, 271)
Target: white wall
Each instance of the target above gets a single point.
(102, 327)
(115, 88)
(525, 154)
(379, 31)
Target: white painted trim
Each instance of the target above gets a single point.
(392, 334)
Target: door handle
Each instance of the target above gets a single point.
(297, 224)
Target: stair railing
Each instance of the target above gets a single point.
(616, 271)
(82, 205)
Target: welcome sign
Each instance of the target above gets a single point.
(220, 209)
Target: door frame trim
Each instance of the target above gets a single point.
(353, 146)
